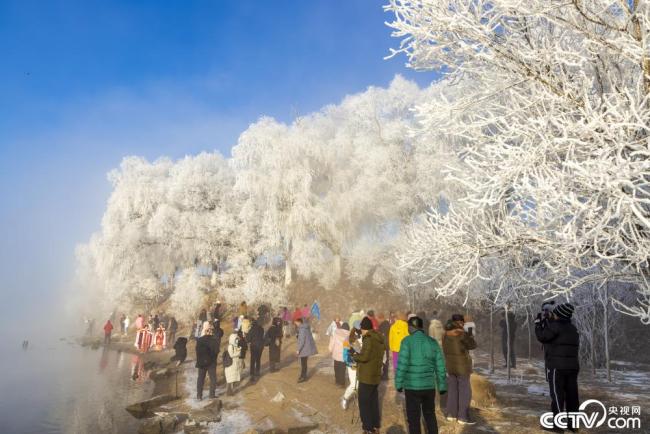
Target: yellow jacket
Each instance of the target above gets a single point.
(398, 331)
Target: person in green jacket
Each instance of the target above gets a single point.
(421, 370)
(369, 367)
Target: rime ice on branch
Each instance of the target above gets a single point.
(556, 158)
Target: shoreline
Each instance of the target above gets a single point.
(172, 383)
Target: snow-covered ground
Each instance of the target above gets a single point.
(232, 420)
(526, 393)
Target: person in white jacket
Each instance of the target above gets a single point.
(233, 372)
(336, 324)
(126, 326)
(436, 330)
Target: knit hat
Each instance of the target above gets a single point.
(564, 311)
(366, 324)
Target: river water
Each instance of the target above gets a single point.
(60, 387)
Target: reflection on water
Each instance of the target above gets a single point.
(64, 388)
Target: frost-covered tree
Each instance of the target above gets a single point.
(161, 217)
(555, 132)
(332, 189)
(325, 196)
(189, 293)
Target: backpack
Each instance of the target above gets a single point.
(226, 359)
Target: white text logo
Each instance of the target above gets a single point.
(616, 417)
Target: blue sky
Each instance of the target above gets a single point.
(85, 83)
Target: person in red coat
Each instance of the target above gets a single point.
(297, 314)
(373, 320)
(108, 328)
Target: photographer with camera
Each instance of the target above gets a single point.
(561, 344)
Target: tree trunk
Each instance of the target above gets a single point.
(491, 339)
(508, 364)
(606, 316)
(530, 332)
(593, 344)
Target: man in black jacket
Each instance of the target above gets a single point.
(207, 351)
(561, 344)
(255, 338)
(273, 339)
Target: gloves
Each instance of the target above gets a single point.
(442, 392)
(538, 318)
(400, 390)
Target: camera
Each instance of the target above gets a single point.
(543, 317)
(547, 309)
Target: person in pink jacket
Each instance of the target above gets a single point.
(337, 339)
(139, 322)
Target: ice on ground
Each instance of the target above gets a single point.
(538, 389)
(630, 396)
(279, 397)
(630, 378)
(265, 425)
(300, 416)
(231, 422)
(191, 375)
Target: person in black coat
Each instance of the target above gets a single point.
(207, 351)
(255, 338)
(180, 351)
(216, 311)
(218, 331)
(561, 345)
(273, 339)
(242, 343)
(262, 314)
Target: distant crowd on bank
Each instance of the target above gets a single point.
(425, 356)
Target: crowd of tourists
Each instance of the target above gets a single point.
(426, 355)
(250, 334)
(151, 334)
(428, 358)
